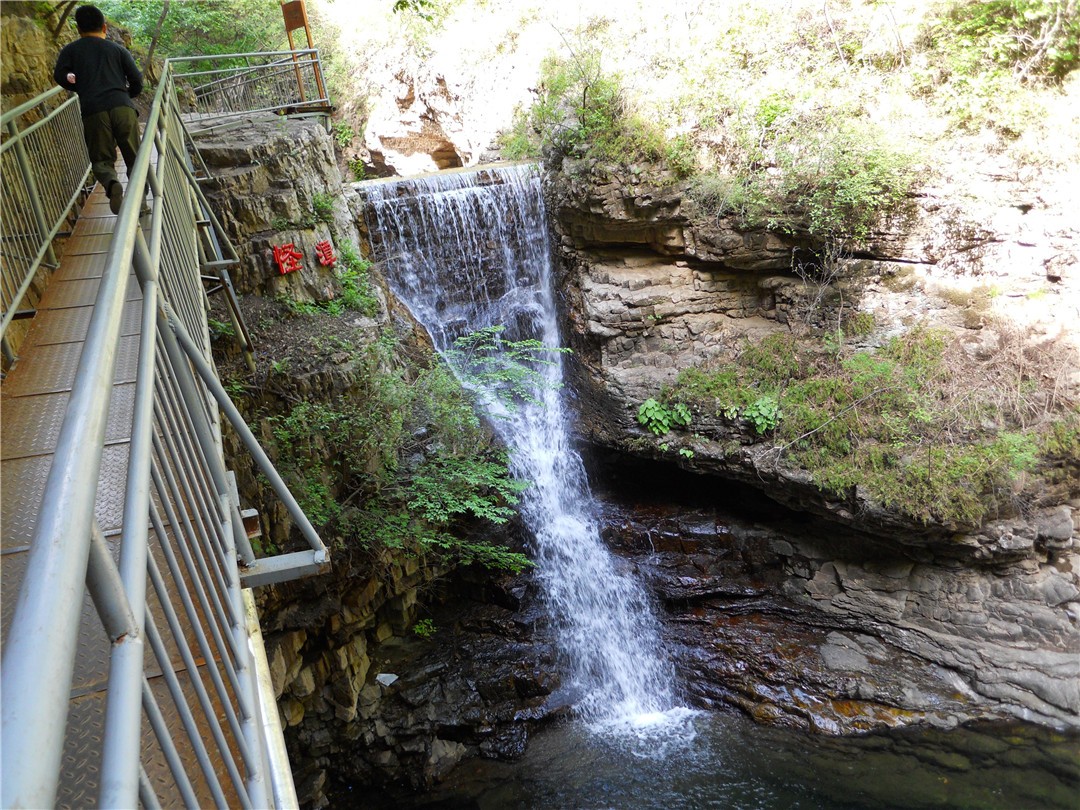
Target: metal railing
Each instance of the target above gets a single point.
(177, 606)
(44, 166)
(212, 88)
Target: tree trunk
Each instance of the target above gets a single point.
(154, 41)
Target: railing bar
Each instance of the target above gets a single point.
(48, 603)
(197, 573)
(177, 408)
(207, 455)
(235, 83)
(26, 106)
(311, 104)
(224, 695)
(185, 596)
(192, 298)
(42, 252)
(186, 715)
(173, 60)
(209, 443)
(168, 747)
(206, 505)
(107, 592)
(119, 761)
(190, 192)
(147, 797)
(246, 436)
(205, 205)
(183, 256)
(27, 168)
(212, 578)
(30, 129)
(200, 688)
(185, 138)
(192, 612)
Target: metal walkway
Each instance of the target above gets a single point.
(33, 400)
(133, 667)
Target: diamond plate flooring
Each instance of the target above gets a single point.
(33, 400)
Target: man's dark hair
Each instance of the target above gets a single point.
(89, 19)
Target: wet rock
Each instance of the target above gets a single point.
(848, 635)
(1055, 526)
(445, 754)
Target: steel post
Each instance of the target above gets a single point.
(31, 188)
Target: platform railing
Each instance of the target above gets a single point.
(181, 588)
(212, 89)
(43, 166)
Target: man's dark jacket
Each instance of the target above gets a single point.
(106, 76)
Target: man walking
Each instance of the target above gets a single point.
(106, 78)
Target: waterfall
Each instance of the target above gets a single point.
(469, 250)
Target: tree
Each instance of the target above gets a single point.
(200, 28)
(154, 40)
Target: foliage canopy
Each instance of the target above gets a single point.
(201, 28)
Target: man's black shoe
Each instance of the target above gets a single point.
(116, 196)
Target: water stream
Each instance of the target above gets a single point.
(469, 250)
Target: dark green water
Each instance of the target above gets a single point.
(726, 761)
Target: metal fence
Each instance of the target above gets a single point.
(188, 717)
(212, 88)
(44, 165)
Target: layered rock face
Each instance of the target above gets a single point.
(803, 625)
(876, 625)
(941, 624)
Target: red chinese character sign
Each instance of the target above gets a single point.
(287, 257)
(325, 251)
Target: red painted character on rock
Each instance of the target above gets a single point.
(287, 257)
(325, 251)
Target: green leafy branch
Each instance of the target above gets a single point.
(511, 372)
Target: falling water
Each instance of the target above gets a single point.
(469, 250)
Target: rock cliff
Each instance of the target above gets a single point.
(650, 287)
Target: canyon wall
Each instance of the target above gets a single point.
(651, 287)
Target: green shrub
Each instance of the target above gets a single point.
(425, 628)
(833, 174)
(519, 143)
(323, 205)
(660, 418)
(583, 110)
(889, 421)
(356, 290)
(343, 133)
(1035, 39)
(402, 463)
(506, 372)
(763, 413)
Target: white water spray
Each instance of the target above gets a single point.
(469, 250)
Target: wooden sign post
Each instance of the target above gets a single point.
(295, 14)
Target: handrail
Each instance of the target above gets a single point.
(44, 166)
(283, 81)
(178, 497)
